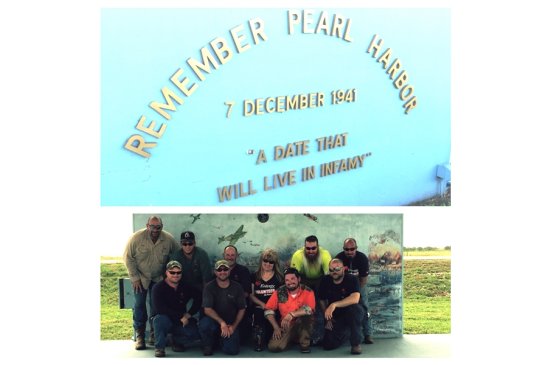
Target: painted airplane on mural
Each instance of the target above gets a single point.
(195, 217)
(233, 237)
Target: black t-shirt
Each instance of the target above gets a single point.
(241, 274)
(225, 301)
(264, 289)
(173, 302)
(332, 292)
(357, 266)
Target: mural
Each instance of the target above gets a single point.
(379, 236)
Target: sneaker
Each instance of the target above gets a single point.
(178, 348)
(207, 350)
(356, 350)
(305, 349)
(368, 340)
(159, 353)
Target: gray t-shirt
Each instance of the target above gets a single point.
(225, 301)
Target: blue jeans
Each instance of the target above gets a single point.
(366, 322)
(346, 319)
(140, 315)
(210, 331)
(181, 335)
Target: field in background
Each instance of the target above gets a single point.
(426, 298)
(427, 252)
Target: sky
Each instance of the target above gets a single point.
(54, 228)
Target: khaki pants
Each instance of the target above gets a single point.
(299, 332)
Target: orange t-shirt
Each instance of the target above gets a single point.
(284, 302)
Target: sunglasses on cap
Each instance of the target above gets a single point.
(292, 270)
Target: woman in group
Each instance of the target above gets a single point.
(264, 282)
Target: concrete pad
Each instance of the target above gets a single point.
(408, 346)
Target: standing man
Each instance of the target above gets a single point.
(170, 299)
(339, 299)
(224, 307)
(312, 261)
(240, 274)
(295, 303)
(356, 263)
(145, 256)
(195, 262)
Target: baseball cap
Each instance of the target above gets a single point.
(220, 263)
(187, 237)
(172, 264)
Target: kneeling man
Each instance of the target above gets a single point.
(295, 303)
(339, 296)
(170, 299)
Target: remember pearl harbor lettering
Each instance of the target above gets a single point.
(291, 177)
(186, 80)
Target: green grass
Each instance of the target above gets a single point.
(426, 304)
(427, 297)
(115, 322)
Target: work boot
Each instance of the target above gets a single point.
(160, 353)
(356, 350)
(178, 347)
(207, 350)
(368, 340)
(140, 340)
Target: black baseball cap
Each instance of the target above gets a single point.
(187, 237)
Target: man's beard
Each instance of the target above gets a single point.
(294, 288)
(313, 259)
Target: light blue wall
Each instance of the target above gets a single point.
(201, 150)
(379, 236)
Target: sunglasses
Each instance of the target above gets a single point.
(187, 244)
(175, 272)
(268, 261)
(291, 270)
(349, 248)
(155, 226)
(311, 248)
(222, 269)
(335, 269)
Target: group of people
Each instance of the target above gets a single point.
(226, 305)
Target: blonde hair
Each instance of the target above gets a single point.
(269, 254)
